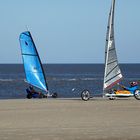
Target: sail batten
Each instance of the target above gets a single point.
(112, 84)
(29, 54)
(112, 74)
(112, 77)
(111, 70)
(32, 64)
(112, 62)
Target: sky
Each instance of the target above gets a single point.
(69, 31)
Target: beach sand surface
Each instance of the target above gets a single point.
(69, 119)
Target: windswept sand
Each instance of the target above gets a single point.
(71, 119)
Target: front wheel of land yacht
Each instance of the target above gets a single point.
(111, 98)
(54, 95)
(137, 94)
(85, 95)
(29, 96)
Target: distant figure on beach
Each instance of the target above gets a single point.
(132, 88)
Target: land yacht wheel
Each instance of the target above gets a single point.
(137, 94)
(29, 96)
(85, 95)
(111, 98)
(54, 95)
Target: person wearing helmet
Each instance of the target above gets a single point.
(133, 87)
(32, 93)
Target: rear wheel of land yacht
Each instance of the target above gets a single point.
(137, 94)
(85, 95)
(54, 95)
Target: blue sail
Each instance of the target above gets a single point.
(32, 63)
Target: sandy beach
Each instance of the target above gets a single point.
(69, 119)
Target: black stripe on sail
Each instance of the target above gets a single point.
(112, 62)
(112, 49)
(29, 54)
(26, 34)
(112, 77)
(112, 70)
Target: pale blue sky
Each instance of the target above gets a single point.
(69, 31)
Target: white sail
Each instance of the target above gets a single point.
(112, 73)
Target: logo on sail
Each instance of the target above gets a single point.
(34, 69)
(26, 43)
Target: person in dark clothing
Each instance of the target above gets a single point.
(31, 93)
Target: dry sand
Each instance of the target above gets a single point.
(69, 119)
